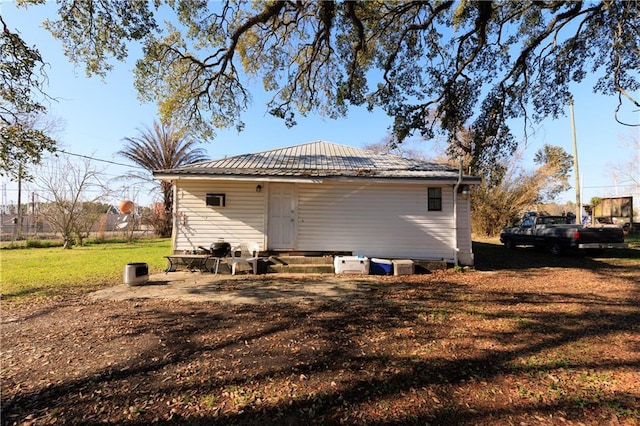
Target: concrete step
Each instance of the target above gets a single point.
(300, 260)
(300, 268)
(299, 264)
(285, 264)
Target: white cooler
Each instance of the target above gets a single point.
(351, 265)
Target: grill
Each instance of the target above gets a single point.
(220, 249)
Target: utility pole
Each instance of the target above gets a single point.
(19, 200)
(33, 221)
(576, 172)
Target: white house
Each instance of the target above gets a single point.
(328, 198)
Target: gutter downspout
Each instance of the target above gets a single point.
(455, 215)
(175, 222)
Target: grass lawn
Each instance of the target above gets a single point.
(55, 271)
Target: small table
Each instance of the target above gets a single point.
(192, 261)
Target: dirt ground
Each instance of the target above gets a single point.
(523, 339)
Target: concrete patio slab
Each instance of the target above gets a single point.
(243, 289)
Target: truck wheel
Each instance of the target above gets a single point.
(508, 244)
(554, 248)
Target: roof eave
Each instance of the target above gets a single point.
(440, 180)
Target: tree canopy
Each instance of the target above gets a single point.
(440, 66)
(21, 81)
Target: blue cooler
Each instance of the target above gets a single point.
(381, 266)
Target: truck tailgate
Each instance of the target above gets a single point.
(601, 235)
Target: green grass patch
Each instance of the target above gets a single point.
(633, 240)
(46, 272)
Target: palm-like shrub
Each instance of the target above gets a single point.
(159, 148)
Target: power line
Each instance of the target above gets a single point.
(611, 186)
(98, 159)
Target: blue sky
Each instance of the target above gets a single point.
(97, 115)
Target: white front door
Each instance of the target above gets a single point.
(282, 216)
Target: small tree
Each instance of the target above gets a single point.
(70, 193)
(500, 201)
(628, 172)
(88, 215)
(559, 164)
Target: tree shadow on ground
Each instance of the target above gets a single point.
(430, 352)
(272, 288)
(495, 257)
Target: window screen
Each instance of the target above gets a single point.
(434, 199)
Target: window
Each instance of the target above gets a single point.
(215, 200)
(434, 199)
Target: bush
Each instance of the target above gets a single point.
(13, 246)
(497, 205)
(33, 243)
(106, 240)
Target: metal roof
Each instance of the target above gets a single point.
(316, 160)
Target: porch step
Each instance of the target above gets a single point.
(300, 260)
(299, 264)
(300, 268)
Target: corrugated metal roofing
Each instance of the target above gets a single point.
(316, 159)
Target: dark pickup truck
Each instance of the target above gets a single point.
(557, 234)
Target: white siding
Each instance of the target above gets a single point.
(242, 219)
(465, 252)
(375, 220)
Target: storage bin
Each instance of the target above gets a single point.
(351, 265)
(381, 266)
(403, 267)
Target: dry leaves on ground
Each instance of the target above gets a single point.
(552, 344)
